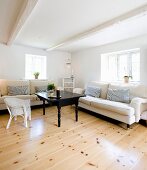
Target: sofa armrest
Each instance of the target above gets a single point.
(78, 90)
(139, 104)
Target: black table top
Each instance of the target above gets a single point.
(63, 95)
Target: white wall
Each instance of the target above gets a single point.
(87, 63)
(12, 62)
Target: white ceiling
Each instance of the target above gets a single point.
(67, 24)
(130, 28)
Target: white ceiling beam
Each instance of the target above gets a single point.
(130, 14)
(24, 13)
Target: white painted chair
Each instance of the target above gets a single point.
(18, 107)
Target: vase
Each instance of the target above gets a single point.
(126, 79)
(36, 76)
(50, 93)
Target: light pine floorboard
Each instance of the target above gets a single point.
(89, 144)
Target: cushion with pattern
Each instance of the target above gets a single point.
(93, 91)
(40, 89)
(119, 95)
(18, 90)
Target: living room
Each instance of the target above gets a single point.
(74, 39)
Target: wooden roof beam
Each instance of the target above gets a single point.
(24, 13)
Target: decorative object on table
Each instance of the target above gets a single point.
(51, 88)
(58, 93)
(36, 74)
(127, 78)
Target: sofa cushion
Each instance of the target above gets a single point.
(119, 95)
(40, 89)
(18, 90)
(86, 100)
(2, 100)
(103, 86)
(3, 87)
(5, 83)
(136, 90)
(93, 91)
(35, 83)
(31, 97)
(118, 107)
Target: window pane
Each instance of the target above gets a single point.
(113, 67)
(35, 63)
(121, 64)
(136, 66)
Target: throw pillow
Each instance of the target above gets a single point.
(93, 91)
(18, 90)
(119, 95)
(40, 89)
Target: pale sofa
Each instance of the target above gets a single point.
(31, 90)
(123, 112)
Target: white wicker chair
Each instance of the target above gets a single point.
(18, 107)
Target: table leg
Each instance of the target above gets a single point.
(76, 112)
(43, 107)
(59, 115)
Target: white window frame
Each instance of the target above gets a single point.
(35, 63)
(113, 60)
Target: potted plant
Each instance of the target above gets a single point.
(50, 87)
(126, 78)
(36, 74)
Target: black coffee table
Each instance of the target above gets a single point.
(67, 98)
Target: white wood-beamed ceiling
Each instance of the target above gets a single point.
(70, 25)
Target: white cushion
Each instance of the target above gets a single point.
(118, 107)
(31, 97)
(86, 100)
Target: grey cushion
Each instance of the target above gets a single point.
(93, 91)
(17, 90)
(40, 89)
(119, 95)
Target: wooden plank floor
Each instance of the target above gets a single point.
(89, 144)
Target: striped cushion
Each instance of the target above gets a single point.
(17, 90)
(93, 91)
(119, 95)
(40, 89)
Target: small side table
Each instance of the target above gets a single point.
(144, 116)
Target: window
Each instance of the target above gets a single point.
(114, 66)
(35, 63)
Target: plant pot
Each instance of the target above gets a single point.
(51, 93)
(36, 76)
(126, 79)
